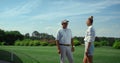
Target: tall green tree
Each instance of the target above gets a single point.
(12, 36)
(2, 35)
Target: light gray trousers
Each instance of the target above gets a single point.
(66, 52)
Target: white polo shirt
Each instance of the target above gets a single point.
(90, 34)
(64, 36)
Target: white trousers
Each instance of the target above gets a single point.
(66, 52)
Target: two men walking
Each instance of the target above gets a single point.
(65, 42)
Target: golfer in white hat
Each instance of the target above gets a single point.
(65, 43)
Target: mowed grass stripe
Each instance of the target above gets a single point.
(48, 54)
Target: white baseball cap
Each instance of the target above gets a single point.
(65, 21)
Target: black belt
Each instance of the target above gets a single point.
(65, 44)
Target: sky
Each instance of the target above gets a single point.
(45, 16)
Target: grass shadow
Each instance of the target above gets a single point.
(6, 56)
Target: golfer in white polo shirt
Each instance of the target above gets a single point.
(89, 41)
(65, 43)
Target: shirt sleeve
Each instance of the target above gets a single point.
(58, 35)
(71, 34)
(90, 35)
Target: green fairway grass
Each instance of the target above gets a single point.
(48, 54)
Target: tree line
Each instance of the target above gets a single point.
(36, 38)
(9, 37)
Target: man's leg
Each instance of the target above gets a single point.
(69, 54)
(62, 54)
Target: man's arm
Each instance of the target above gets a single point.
(72, 43)
(58, 46)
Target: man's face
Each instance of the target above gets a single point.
(64, 25)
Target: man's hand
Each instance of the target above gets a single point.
(72, 49)
(58, 46)
(59, 51)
